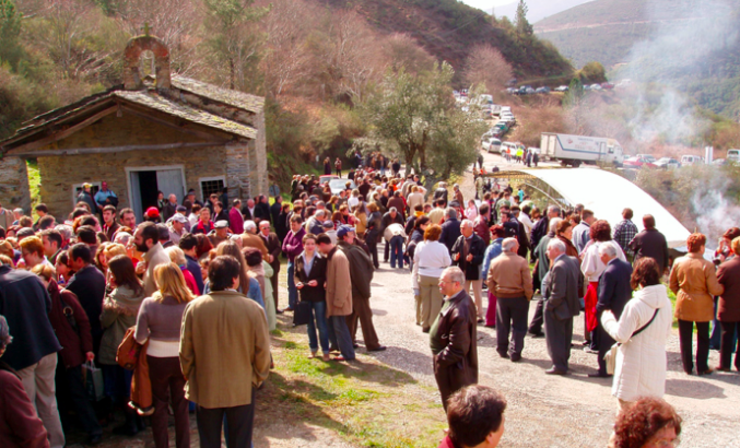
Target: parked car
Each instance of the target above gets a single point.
(687, 160)
(594, 87)
(733, 155)
(543, 89)
(337, 185)
(639, 161)
(607, 85)
(491, 144)
(561, 89)
(327, 178)
(667, 162)
(719, 162)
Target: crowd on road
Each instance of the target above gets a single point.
(111, 317)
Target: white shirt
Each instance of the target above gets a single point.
(430, 259)
(526, 221)
(592, 266)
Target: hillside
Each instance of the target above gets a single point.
(538, 9)
(648, 40)
(448, 29)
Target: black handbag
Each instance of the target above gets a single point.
(302, 314)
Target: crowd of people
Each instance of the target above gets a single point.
(77, 290)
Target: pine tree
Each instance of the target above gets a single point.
(523, 26)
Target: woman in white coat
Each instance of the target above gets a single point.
(641, 359)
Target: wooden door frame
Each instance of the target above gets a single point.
(135, 169)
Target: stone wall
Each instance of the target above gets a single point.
(14, 190)
(258, 157)
(60, 173)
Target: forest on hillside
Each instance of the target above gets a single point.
(314, 60)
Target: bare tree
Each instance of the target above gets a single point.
(173, 21)
(487, 66)
(404, 52)
(286, 30)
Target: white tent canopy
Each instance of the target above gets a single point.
(607, 194)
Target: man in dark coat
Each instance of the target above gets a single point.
(650, 243)
(441, 192)
(453, 337)
(262, 209)
(467, 254)
(88, 284)
(521, 232)
(450, 229)
(275, 210)
(361, 274)
(542, 226)
(274, 248)
(560, 289)
(26, 304)
(613, 294)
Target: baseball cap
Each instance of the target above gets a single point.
(344, 229)
(152, 212)
(222, 224)
(180, 218)
(181, 208)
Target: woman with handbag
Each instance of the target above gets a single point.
(159, 322)
(70, 324)
(120, 308)
(642, 332)
(310, 276)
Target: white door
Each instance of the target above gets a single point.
(170, 181)
(135, 198)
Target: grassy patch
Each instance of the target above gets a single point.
(365, 402)
(34, 182)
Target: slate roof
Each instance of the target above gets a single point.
(152, 99)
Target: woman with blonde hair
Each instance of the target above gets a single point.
(177, 256)
(159, 323)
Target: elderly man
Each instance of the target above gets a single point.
(560, 288)
(361, 274)
(510, 281)
(453, 337)
(220, 232)
(441, 192)
(236, 222)
(250, 239)
(248, 210)
(315, 224)
(542, 267)
(613, 294)
(274, 248)
(177, 228)
(467, 254)
(170, 208)
(338, 297)
(224, 363)
(146, 240)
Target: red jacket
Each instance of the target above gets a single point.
(19, 424)
(74, 345)
(446, 443)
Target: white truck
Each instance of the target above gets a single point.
(576, 149)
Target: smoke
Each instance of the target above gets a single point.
(715, 212)
(684, 33)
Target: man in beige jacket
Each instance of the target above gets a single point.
(224, 354)
(338, 297)
(510, 281)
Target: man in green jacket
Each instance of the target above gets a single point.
(224, 354)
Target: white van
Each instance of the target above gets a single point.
(510, 146)
(491, 144)
(687, 160)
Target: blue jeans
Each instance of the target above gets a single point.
(319, 320)
(292, 291)
(396, 251)
(340, 337)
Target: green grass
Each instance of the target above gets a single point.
(34, 183)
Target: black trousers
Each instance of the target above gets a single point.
(372, 244)
(511, 315)
(729, 329)
(386, 251)
(685, 330)
(604, 342)
(239, 424)
(535, 327)
(71, 396)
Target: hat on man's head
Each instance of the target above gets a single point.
(328, 224)
(180, 218)
(344, 229)
(181, 208)
(87, 185)
(152, 212)
(222, 224)
(18, 210)
(191, 191)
